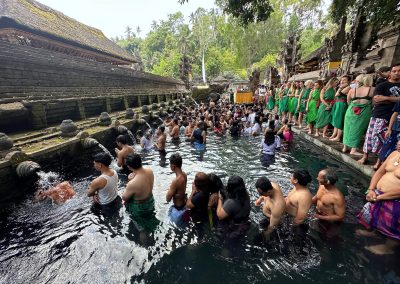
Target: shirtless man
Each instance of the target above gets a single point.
(331, 205)
(138, 195)
(189, 129)
(177, 189)
(274, 202)
(299, 199)
(162, 138)
(123, 150)
(381, 211)
(175, 129)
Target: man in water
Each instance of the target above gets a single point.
(162, 138)
(58, 194)
(299, 199)
(103, 189)
(381, 212)
(331, 205)
(274, 202)
(123, 150)
(177, 189)
(175, 129)
(138, 195)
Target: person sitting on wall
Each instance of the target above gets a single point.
(58, 194)
(381, 212)
(123, 150)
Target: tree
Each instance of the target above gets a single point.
(246, 11)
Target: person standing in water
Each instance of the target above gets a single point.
(138, 194)
(103, 189)
(331, 205)
(123, 150)
(299, 199)
(274, 202)
(162, 138)
(177, 190)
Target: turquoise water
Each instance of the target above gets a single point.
(46, 243)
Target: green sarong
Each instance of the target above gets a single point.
(303, 100)
(356, 123)
(312, 107)
(284, 103)
(324, 116)
(338, 112)
(271, 103)
(292, 107)
(277, 101)
(295, 103)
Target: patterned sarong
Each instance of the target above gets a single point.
(383, 216)
(375, 135)
(389, 145)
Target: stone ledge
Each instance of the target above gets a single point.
(345, 158)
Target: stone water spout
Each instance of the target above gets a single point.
(121, 129)
(89, 142)
(68, 128)
(27, 169)
(129, 113)
(154, 106)
(6, 143)
(145, 109)
(104, 119)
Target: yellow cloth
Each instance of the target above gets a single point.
(243, 97)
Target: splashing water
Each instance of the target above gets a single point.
(148, 125)
(104, 149)
(130, 134)
(162, 121)
(47, 180)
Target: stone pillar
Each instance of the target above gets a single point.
(38, 115)
(126, 103)
(158, 99)
(108, 104)
(139, 100)
(150, 100)
(81, 109)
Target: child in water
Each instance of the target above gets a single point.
(287, 133)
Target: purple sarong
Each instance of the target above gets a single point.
(383, 216)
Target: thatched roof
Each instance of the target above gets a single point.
(313, 75)
(314, 55)
(35, 17)
(220, 79)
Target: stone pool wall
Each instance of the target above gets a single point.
(40, 88)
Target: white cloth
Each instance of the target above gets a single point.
(270, 149)
(256, 128)
(146, 143)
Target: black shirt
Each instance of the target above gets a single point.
(387, 89)
(236, 210)
(200, 211)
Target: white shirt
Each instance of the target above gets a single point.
(146, 143)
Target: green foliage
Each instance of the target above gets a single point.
(378, 12)
(310, 40)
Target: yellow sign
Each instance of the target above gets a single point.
(334, 65)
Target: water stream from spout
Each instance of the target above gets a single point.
(148, 124)
(104, 149)
(130, 134)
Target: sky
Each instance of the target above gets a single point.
(113, 16)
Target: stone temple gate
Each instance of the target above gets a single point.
(54, 68)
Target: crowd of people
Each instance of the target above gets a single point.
(362, 110)
(226, 207)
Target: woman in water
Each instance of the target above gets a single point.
(199, 136)
(269, 145)
(233, 210)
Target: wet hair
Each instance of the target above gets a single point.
(236, 189)
(285, 121)
(103, 158)
(257, 119)
(162, 128)
(269, 137)
(394, 65)
(330, 176)
(201, 181)
(271, 124)
(176, 121)
(264, 184)
(303, 177)
(134, 161)
(176, 160)
(276, 116)
(216, 184)
(121, 139)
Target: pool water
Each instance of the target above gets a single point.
(69, 243)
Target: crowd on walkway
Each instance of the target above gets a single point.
(226, 207)
(365, 109)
